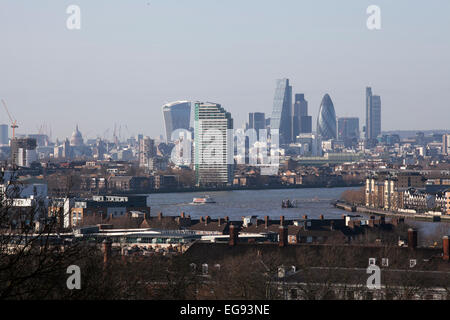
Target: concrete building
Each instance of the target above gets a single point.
(213, 145)
(23, 151)
(4, 136)
(446, 144)
(147, 151)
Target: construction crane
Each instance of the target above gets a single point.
(13, 121)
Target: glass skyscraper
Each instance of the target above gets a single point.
(257, 121)
(281, 118)
(373, 115)
(176, 116)
(213, 145)
(326, 121)
(301, 122)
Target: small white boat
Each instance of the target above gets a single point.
(205, 199)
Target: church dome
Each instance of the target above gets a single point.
(77, 138)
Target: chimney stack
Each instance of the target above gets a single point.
(227, 219)
(106, 251)
(266, 221)
(283, 236)
(412, 238)
(234, 234)
(321, 217)
(207, 220)
(219, 221)
(305, 217)
(445, 248)
(182, 215)
(281, 220)
(160, 215)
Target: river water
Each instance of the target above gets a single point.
(235, 204)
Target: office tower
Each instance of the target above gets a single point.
(301, 122)
(4, 136)
(326, 121)
(257, 121)
(373, 115)
(282, 111)
(23, 151)
(147, 151)
(177, 115)
(213, 140)
(348, 130)
(446, 144)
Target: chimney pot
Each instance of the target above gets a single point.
(281, 220)
(305, 216)
(234, 234)
(283, 236)
(412, 238)
(445, 248)
(106, 251)
(160, 215)
(266, 221)
(182, 215)
(321, 217)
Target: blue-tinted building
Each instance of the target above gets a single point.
(373, 115)
(177, 115)
(326, 121)
(282, 111)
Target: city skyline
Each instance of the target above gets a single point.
(100, 70)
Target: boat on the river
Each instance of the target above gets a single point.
(203, 200)
(286, 204)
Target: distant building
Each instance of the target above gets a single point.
(281, 118)
(147, 151)
(446, 144)
(373, 115)
(23, 151)
(77, 138)
(103, 207)
(176, 116)
(301, 122)
(257, 121)
(326, 120)
(4, 135)
(348, 130)
(213, 155)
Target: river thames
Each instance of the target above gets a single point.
(238, 203)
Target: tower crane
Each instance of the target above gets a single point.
(13, 121)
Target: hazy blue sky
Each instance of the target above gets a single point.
(132, 56)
